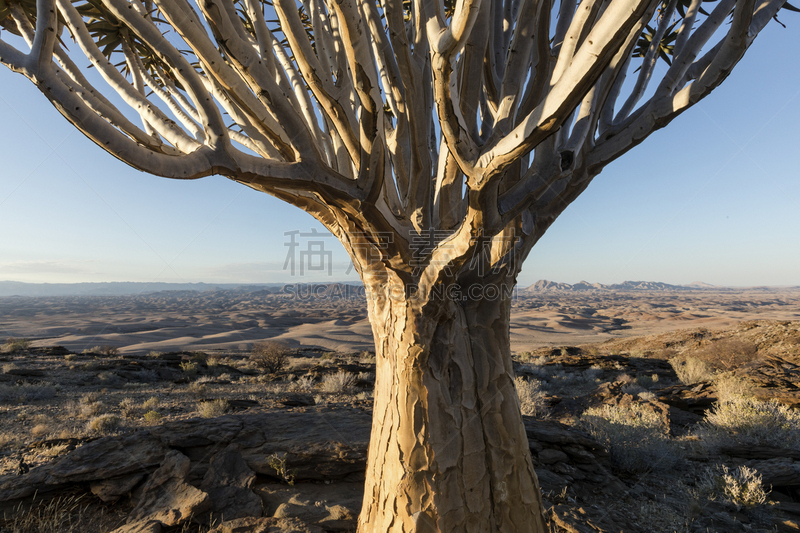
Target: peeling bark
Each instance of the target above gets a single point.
(448, 450)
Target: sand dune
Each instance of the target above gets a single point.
(235, 320)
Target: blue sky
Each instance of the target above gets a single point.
(713, 197)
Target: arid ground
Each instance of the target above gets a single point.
(646, 410)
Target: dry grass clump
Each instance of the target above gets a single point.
(213, 408)
(107, 350)
(103, 424)
(26, 392)
(64, 514)
(741, 489)
(304, 384)
(557, 380)
(271, 356)
(747, 421)
(366, 358)
(531, 397)
(691, 370)
(88, 406)
(339, 382)
(635, 436)
(40, 430)
(9, 440)
(190, 368)
(14, 345)
(730, 387)
(150, 403)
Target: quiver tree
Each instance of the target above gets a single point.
(437, 140)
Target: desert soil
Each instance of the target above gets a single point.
(177, 429)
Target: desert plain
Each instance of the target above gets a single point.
(148, 412)
(334, 316)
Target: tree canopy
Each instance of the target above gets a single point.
(459, 120)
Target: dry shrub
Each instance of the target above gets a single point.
(691, 370)
(635, 437)
(740, 488)
(13, 345)
(730, 387)
(150, 403)
(213, 408)
(40, 430)
(727, 354)
(103, 424)
(531, 397)
(151, 417)
(128, 407)
(106, 349)
(304, 384)
(190, 368)
(270, 356)
(340, 382)
(9, 440)
(751, 422)
(26, 392)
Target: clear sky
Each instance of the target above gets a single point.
(714, 197)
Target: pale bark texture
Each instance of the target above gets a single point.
(438, 140)
(448, 451)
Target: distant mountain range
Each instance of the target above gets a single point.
(305, 290)
(121, 288)
(544, 285)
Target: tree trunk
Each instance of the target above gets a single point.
(448, 450)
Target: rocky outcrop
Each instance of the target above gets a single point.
(166, 497)
(200, 469)
(566, 457)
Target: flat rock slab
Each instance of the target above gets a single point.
(265, 525)
(320, 444)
